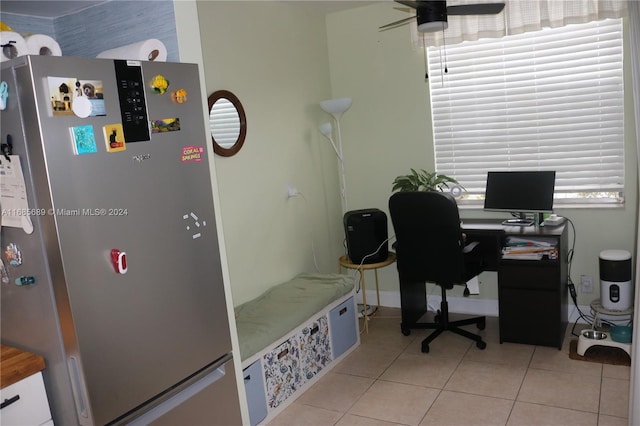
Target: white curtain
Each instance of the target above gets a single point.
(518, 16)
(634, 391)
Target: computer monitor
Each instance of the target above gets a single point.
(520, 192)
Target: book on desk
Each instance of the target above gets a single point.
(530, 248)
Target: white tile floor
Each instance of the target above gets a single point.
(388, 381)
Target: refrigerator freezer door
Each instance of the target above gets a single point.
(206, 402)
(159, 314)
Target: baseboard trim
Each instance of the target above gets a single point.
(473, 306)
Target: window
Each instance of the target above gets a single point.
(543, 100)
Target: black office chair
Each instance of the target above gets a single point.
(430, 247)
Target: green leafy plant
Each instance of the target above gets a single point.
(422, 181)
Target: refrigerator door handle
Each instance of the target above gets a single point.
(78, 391)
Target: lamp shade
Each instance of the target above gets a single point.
(326, 129)
(336, 107)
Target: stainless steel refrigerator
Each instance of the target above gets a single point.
(111, 265)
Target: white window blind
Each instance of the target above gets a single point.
(544, 100)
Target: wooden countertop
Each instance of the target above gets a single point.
(16, 364)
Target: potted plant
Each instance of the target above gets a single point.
(422, 181)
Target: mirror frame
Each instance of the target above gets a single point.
(217, 148)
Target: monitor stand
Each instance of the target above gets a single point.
(521, 221)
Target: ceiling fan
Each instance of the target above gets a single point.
(432, 14)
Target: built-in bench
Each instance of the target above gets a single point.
(291, 335)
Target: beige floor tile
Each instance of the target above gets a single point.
(479, 385)
(546, 358)
(298, 414)
(385, 333)
(422, 370)
(395, 402)
(351, 420)
(563, 390)
(604, 420)
(368, 361)
(487, 379)
(394, 342)
(526, 414)
(336, 392)
(616, 371)
(455, 408)
(506, 353)
(614, 397)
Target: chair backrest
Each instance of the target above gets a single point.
(429, 238)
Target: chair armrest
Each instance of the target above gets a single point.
(470, 246)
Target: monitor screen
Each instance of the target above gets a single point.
(520, 191)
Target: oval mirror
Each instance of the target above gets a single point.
(227, 122)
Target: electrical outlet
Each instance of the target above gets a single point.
(586, 284)
(292, 191)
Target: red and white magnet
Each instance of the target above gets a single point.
(119, 260)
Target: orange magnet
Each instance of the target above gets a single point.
(179, 96)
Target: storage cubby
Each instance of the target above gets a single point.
(342, 321)
(254, 388)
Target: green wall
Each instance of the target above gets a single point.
(281, 59)
(387, 131)
(273, 56)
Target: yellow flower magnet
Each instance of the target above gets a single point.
(159, 84)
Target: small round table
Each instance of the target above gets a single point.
(345, 262)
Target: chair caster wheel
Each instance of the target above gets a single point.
(482, 324)
(425, 348)
(480, 344)
(405, 331)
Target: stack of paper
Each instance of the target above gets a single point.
(533, 248)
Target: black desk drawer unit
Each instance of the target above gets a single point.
(533, 296)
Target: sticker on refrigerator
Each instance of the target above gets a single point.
(13, 196)
(114, 137)
(193, 220)
(64, 91)
(192, 154)
(4, 91)
(83, 139)
(13, 255)
(165, 125)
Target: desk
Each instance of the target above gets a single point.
(345, 262)
(532, 294)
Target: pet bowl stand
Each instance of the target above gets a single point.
(586, 341)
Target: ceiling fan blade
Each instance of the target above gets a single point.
(413, 4)
(396, 23)
(476, 9)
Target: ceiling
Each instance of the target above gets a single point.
(57, 8)
(44, 8)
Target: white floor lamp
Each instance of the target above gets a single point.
(337, 107)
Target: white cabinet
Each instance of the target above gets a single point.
(25, 403)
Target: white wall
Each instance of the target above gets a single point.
(273, 56)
